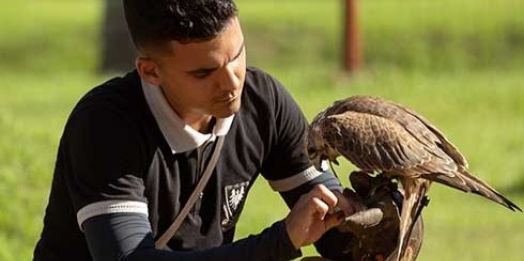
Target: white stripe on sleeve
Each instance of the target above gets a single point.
(295, 180)
(109, 207)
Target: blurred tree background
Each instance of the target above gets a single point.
(118, 51)
(459, 63)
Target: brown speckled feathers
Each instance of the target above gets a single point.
(379, 135)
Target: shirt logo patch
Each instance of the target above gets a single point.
(234, 197)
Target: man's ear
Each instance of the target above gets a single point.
(148, 70)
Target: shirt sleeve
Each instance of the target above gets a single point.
(289, 170)
(103, 159)
(128, 236)
(287, 165)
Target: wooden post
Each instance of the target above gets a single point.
(352, 37)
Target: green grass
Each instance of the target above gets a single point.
(413, 35)
(49, 36)
(456, 62)
(481, 112)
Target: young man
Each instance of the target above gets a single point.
(135, 147)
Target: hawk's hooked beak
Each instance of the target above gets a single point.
(330, 159)
(325, 164)
(318, 164)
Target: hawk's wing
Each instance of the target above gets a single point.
(379, 135)
(375, 143)
(419, 127)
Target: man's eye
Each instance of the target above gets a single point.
(201, 75)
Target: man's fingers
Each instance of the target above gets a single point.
(333, 220)
(349, 202)
(321, 208)
(312, 215)
(327, 196)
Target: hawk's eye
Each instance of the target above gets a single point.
(311, 151)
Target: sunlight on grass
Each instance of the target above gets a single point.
(49, 32)
(481, 120)
(459, 63)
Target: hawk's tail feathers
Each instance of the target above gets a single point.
(467, 182)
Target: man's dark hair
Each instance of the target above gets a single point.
(156, 22)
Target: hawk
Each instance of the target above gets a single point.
(380, 136)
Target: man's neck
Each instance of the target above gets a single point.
(203, 125)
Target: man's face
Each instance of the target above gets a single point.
(202, 79)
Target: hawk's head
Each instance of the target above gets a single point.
(317, 148)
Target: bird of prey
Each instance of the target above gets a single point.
(380, 136)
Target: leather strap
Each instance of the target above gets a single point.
(162, 241)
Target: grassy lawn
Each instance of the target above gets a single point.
(459, 63)
(481, 112)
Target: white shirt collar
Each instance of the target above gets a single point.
(180, 136)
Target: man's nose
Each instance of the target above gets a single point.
(229, 79)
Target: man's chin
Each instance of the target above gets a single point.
(223, 115)
(227, 112)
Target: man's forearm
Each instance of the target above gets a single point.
(129, 237)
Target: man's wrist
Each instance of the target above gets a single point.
(286, 239)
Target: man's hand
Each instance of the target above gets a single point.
(349, 202)
(313, 215)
